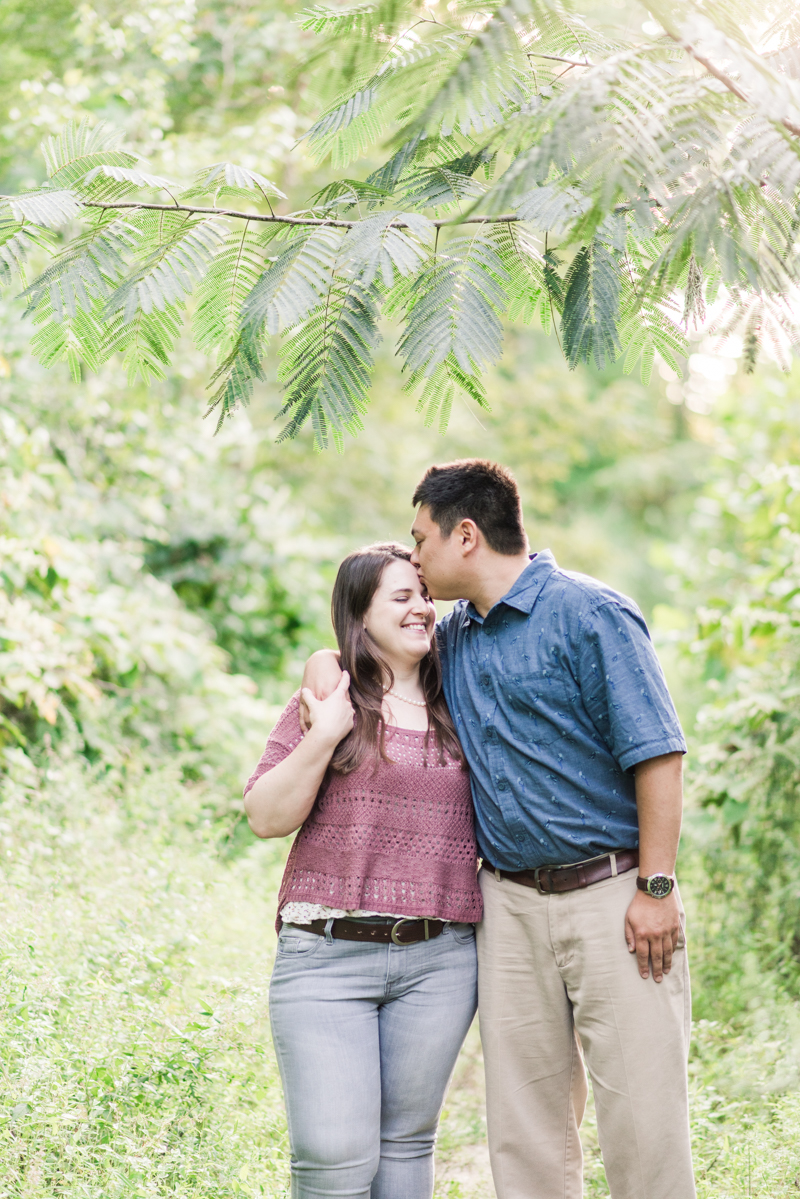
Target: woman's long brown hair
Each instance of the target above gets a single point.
(356, 583)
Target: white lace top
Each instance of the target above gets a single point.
(304, 913)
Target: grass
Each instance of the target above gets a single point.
(134, 1041)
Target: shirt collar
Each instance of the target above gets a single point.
(524, 593)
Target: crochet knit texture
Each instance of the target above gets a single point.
(389, 837)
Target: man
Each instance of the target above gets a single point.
(574, 750)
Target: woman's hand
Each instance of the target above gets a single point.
(330, 719)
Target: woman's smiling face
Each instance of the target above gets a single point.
(401, 617)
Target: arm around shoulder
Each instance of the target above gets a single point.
(280, 800)
(321, 677)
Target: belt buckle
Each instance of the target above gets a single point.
(405, 920)
(536, 882)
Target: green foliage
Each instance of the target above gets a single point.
(136, 1054)
(659, 182)
(146, 579)
(740, 571)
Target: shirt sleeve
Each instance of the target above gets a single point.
(285, 737)
(623, 686)
(440, 632)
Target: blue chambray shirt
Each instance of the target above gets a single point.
(556, 693)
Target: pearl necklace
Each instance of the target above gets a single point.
(418, 703)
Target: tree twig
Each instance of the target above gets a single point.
(504, 218)
(573, 62)
(726, 80)
(277, 219)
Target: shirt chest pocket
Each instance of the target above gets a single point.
(537, 705)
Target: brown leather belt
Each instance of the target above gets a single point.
(553, 880)
(407, 931)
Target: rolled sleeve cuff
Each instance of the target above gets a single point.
(651, 749)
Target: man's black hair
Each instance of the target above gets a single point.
(479, 490)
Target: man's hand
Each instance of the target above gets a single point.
(331, 719)
(321, 677)
(653, 930)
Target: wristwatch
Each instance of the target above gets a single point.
(657, 885)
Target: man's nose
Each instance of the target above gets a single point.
(414, 559)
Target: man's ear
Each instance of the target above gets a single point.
(468, 535)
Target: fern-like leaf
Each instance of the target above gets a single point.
(78, 149)
(144, 313)
(48, 209)
(66, 300)
(293, 282)
(375, 246)
(589, 319)
(454, 307)
(16, 241)
(229, 280)
(327, 364)
(347, 19)
(291, 286)
(234, 182)
(169, 273)
(442, 387)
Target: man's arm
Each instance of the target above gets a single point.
(321, 677)
(280, 800)
(652, 926)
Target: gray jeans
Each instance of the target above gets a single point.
(366, 1038)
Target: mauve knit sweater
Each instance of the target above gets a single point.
(393, 837)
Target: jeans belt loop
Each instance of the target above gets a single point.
(329, 931)
(498, 875)
(612, 857)
(427, 935)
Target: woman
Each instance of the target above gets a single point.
(374, 985)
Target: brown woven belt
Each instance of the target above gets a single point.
(407, 931)
(552, 880)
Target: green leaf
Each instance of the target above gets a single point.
(168, 274)
(375, 246)
(647, 331)
(293, 282)
(327, 364)
(440, 390)
(79, 148)
(589, 319)
(553, 207)
(16, 241)
(347, 19)
(348, 192)
(229, 179)
(453, 308)
(231, 276)
(49, 209)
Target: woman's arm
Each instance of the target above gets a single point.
(279, 801)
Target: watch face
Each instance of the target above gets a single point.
(659, 885)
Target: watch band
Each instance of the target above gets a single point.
(658, 886)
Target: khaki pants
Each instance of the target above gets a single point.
(551, 965)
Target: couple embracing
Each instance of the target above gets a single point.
(530, 731)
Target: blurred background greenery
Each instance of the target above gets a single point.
(162, 587)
